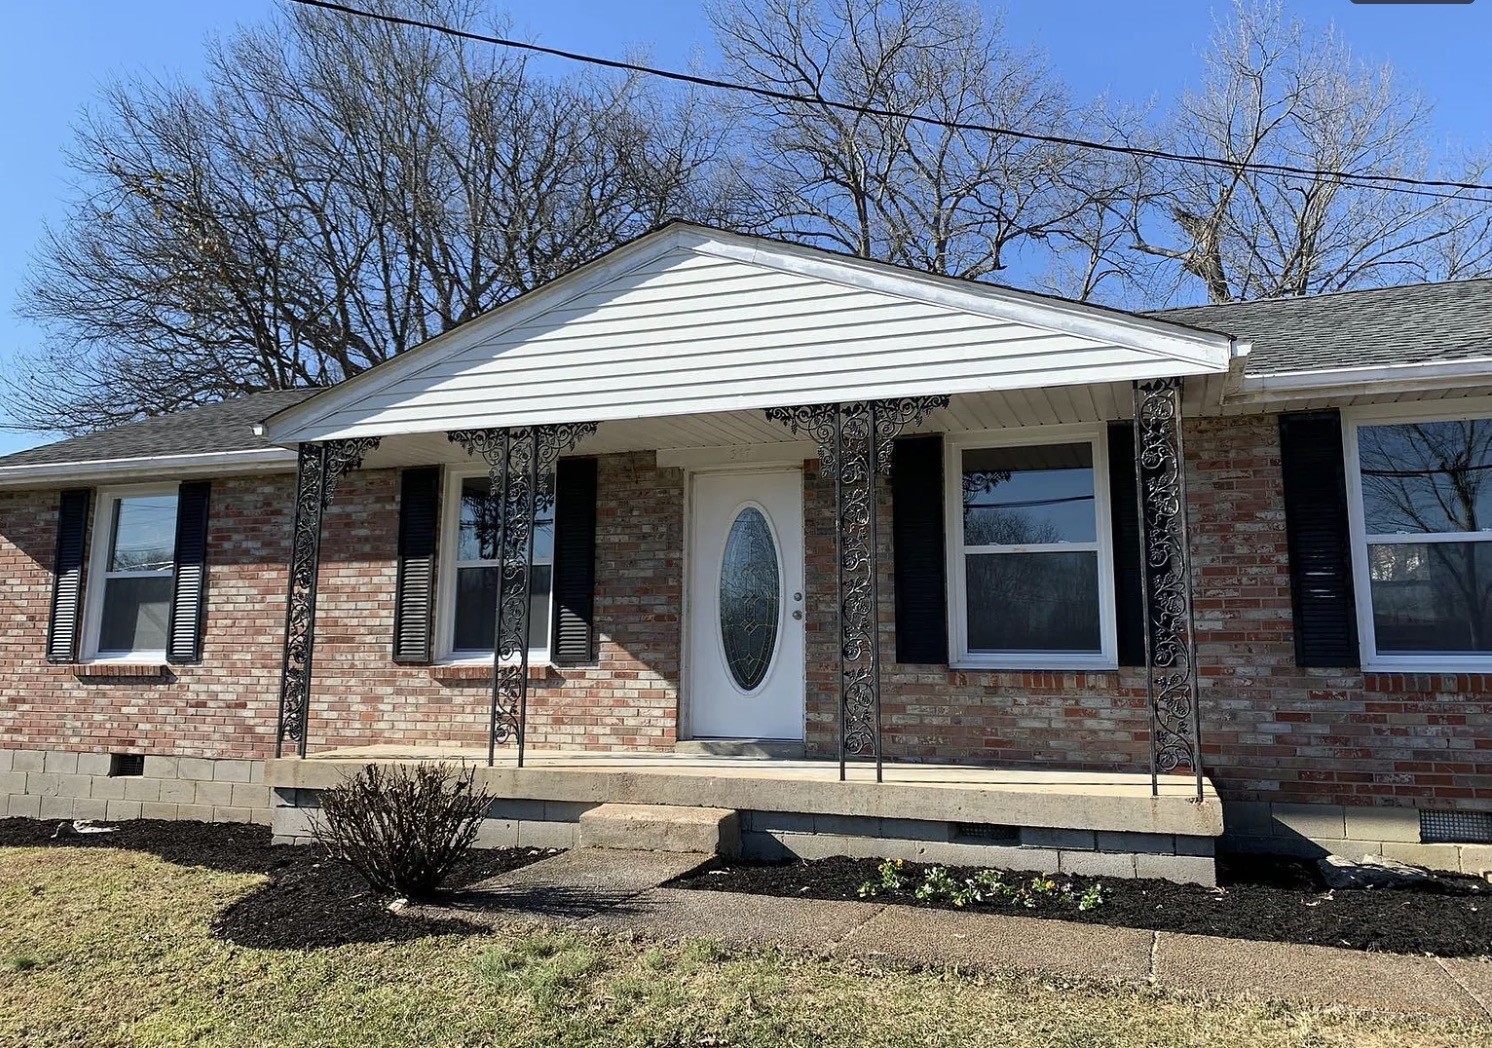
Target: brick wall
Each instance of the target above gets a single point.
(226, 706)
(1272, 732)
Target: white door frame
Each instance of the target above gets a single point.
(685, 719)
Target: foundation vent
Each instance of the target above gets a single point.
(126, 764)
(985, 833)
(1455, 827)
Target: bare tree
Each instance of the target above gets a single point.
(338, 190)
(1275, 93)
(883, 186)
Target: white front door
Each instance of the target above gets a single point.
(745, 610)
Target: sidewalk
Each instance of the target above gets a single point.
(617, 891)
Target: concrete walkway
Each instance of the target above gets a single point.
(618, 891)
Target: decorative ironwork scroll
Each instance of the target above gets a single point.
(520, 462)
(1170, 640)
(319, 468)
(855, 443)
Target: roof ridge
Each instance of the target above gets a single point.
(1280, 299)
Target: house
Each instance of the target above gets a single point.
(888, 563)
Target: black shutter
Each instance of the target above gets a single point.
(573, 640)
(1124, 513)
(1315, 484)
(917, 536)
(67, 576)
(189, 592)
(414, 597)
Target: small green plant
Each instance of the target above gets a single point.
(23, 963)
(889, 878)
(984, 887)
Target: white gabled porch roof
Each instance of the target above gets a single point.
(688, 320)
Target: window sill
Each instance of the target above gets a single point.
(456, 672)
(1428, 665)
(967, 666)
(118, 669)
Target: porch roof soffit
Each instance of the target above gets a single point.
(689, 320)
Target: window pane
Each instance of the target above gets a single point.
(476, 609)
(477, 539)
(1426, 477)
(135, 614)
(1032, 495)
(1033, 602)
(144, 536)
(1431, 597)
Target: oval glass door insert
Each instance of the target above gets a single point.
(750, 598)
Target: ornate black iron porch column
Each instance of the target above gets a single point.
(1170, 638)
(319, 467)
(855, 443)
(520, 462)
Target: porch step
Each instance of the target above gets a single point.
(661, 827)
(775, 749)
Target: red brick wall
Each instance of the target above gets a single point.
(226, 706)
(1272, 731)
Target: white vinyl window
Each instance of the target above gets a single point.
(1420, 508)
(131, 581)
(468, 623)
(1030, 565)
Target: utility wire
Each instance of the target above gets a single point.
(1429, 187)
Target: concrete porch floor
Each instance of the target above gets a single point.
(1119, 802)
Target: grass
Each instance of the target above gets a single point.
(103, 947)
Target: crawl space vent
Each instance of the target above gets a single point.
(1455, 827)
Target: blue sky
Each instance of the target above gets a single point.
(56, 53)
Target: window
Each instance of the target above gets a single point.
(1030, 572)
(469, 585)
(129, 595)
(1421, 504)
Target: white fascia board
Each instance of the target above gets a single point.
(1422, 376)
(205, 464)
(483, 416)
(1184, 350)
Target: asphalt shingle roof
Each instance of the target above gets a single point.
(226, 426)
(1413, 324)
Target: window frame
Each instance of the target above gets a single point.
(960, 657)
(98, 572)
(1406, 413)
(447, 567)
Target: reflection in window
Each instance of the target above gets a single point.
(1427, 518)
(138, 576)
(1030, 550)
(477, 564)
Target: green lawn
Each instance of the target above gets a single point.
(102, 947)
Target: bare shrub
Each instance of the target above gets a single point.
(402, 827)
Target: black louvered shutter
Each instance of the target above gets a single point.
(1124, 512)
(918, 542)
(189, 592)
(414, 595)
(67, 576)
(1321, 590)
(574, 579)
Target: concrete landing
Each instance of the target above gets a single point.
(661, 828)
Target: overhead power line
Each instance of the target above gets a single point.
(1448, 189)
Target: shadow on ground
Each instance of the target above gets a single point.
(309, 901)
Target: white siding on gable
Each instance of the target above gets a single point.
(683, 331)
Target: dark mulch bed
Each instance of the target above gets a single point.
(1262, 898)
(310, 901)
